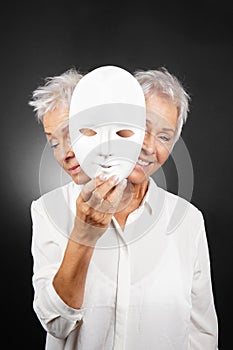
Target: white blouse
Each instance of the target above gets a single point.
(147, 287)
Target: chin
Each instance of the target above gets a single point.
(80, 179)
(137, 177)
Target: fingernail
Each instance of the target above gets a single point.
(102, 177)
(115, 179)
(123, 183)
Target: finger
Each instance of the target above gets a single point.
(106, 186)
(87, 190)
(91, 186)
(115, 195)
(95, 199)
(112, 200)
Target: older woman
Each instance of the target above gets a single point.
(110, 270)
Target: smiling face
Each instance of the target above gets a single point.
(161, 123)
(107, 139)
(56, 128)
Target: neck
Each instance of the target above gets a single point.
(138, 191)
(132, 198)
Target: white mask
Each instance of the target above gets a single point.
(107, 122)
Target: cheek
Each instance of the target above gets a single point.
(162, 154)
(137, 176)
(58, 155)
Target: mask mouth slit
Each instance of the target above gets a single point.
(106, 166)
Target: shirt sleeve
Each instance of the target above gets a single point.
(56, 317)
(204, 325)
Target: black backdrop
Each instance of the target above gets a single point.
(39, 39)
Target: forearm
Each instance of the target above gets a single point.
(69, 281)
(91, 222)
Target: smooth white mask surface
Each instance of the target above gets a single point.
(107, 122)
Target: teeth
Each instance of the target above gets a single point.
(142, 163)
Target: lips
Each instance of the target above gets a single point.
(143, 162)
(74, 170)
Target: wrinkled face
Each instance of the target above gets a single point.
(161, 123)
(107, 139)
(56, 128)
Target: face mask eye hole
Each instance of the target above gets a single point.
(125, 133)
(87, 132)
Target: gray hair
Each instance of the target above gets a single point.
(161, 82)
(56, 91)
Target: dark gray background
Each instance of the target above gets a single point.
(40, 39)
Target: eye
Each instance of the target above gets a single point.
(164, 138)
(125, 133)
(88, 132)
(53, 144)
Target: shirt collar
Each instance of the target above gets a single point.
(149, 201)
(151, 197)
(155, 198)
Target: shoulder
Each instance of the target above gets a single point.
(180, 211)
(56, 209)
(63, 194)
(173, 200)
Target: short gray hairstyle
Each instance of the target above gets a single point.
(161, 82)
(56, 91)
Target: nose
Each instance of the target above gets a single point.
(69, 154)
(105, 143)
(64, 153)
(66, 149)
(149, 144)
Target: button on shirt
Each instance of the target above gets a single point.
(147, 287)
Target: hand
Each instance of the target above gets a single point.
(95, 206)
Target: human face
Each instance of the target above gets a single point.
(161, 123)
(56, 129)
(107, 139)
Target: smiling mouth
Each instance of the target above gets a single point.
(143, 162)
